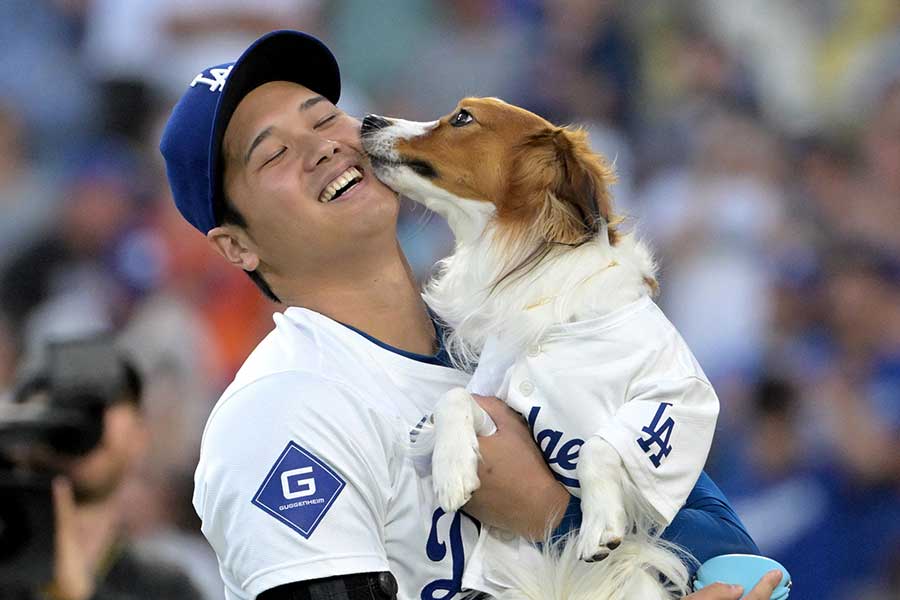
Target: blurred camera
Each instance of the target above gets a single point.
(56, 410)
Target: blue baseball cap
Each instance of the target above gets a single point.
(192, 140)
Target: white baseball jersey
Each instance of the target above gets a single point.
(304, 467)
(627, 377)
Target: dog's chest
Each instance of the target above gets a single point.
(566, 397)
(574, 383)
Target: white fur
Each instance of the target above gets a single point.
(570, 284)
(600, 473)
(629, 573)
(470, 294)
(381, 142)
(458, 419)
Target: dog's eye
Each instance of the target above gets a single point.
(463, 117)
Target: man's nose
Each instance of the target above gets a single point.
(373, 123)
(324, 152)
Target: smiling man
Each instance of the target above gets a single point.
(305, 485)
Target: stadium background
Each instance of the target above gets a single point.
(758, 148)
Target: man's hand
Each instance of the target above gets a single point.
(720, 591)
(518, 492)
(72, 578)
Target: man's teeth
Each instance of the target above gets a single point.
(350, 176)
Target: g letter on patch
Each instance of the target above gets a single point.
(299, 490)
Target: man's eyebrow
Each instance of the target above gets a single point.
(305, 105)
(256, 142)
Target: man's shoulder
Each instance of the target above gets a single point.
(285, 348)
(276, 398)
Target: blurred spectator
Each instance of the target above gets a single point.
(861, 394)
(589, 64)
(875, 214)
(690, 77)
(859, 58)
(27, 194)
(42, 75)
(479, 53)
(64, 282)
(131, 44)
(93, 557)
(775, 470)
(713, 223)
(779, 40)
(587, 74)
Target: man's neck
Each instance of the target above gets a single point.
(381, 299)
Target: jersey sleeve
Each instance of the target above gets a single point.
(663, 435)
(293, 483)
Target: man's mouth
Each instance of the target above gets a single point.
(341, 184)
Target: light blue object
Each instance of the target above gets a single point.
(744, 570)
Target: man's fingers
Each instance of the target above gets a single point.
(721, 591)
(63, 502)
(763, 590)
(717, 591)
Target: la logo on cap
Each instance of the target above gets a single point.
(218, 79)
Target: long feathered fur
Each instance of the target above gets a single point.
(633, 572)
(568, 284)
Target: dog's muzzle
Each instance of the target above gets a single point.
(373, 123)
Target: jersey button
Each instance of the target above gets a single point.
(526, 387)
(534, 350)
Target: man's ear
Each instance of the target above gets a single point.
(235, 246)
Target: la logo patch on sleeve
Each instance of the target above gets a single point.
(299, 490)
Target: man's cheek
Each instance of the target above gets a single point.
(349, 133)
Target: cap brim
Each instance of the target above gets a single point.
(277, 56)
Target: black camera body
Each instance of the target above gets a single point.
(58, 408)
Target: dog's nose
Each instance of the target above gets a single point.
(373, 123)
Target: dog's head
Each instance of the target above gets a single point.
(533, 178)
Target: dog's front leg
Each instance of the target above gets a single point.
(600, 472)
(458, 419)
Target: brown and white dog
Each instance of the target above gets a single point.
(537, 245)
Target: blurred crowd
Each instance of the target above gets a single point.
(757, 146)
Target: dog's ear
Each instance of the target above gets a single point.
(572, 182)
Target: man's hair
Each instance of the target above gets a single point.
(231, 216)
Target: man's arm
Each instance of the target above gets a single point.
(292, 483)
(518, 492)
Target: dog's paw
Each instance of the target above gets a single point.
(454, 470)
(600, 472)
(602, 531)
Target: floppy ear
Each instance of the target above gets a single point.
(572, 182)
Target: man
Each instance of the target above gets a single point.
(305, 484)
(93, 559)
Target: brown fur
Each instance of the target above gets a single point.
(544, 180)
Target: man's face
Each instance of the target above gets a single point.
(286, 151)
(100, 472)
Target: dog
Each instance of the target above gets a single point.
(553, 301)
